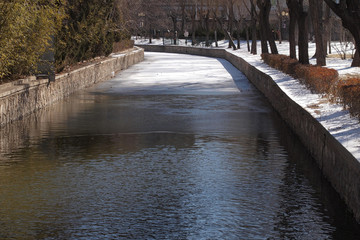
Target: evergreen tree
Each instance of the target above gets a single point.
(88, 31)
(26, 28)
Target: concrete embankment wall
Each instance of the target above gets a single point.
(22, 97)
(339, 166)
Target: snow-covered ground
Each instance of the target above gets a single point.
(342, 66)
(333, 117)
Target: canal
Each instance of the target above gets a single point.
(175, 147)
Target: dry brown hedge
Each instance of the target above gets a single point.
(349, 94)
(281, 62)
(320, 80)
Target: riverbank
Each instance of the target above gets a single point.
(20, 98)
(327, 130)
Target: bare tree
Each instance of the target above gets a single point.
(228, 10)
(205, 10)
(144, 16)
(239, 19)
(173, 11)
(219, 19)
(182, 4)
(191, 10)
(215, 8)
(230, 13)
(129, 12)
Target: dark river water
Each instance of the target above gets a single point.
(176, 147)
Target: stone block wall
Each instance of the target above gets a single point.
(22, 97)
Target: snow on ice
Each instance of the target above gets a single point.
(337, 120)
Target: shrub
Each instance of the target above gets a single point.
(349, 94)
(265, 57)
(320, 79)
(281, 62)
(301, 72)
(122, 45)
(289, 65)
(276, 60)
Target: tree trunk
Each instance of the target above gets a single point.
(355, 31)
(253, 41)
(316, 7)
(175, 28)
(253, 30)
(207, 38)
(328, 28)
(356, 60)
(231, 23)
(262, 24)
(266, 33)
(207, 18)
(183, 17)
(216, 40)
(297, 14)
(150, 34)
(231, 42)
(193, 30)
(264, 46)
(348, 11)
(303, 37)
(292, 28)
(226, 33)
(269, 32)
(280, 18)
(247, 38)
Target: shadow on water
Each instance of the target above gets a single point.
(238, 77)
(95, 145)
(303, 168)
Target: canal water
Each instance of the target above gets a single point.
(176, 147)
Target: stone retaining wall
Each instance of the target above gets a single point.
(22, 97)
(338, 165)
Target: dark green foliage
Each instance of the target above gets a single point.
(26, 29)
(87, 32)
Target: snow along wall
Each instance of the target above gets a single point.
(338, 165)
(21, 98)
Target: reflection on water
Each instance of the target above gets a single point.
(155, 166)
